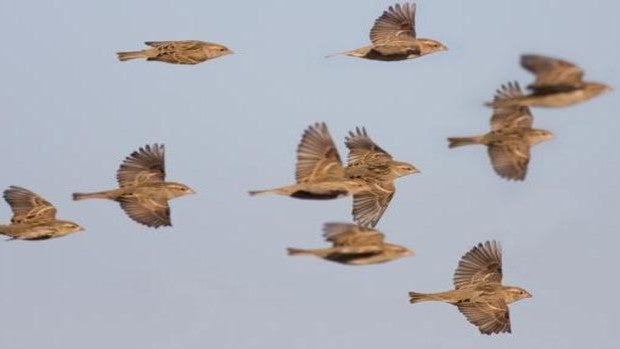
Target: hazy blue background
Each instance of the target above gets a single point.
(220, 278)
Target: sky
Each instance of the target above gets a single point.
(220, 277)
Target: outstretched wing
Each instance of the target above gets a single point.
(395, 24)
(490, 317)
(369, 206)
(362, 148)
(28, 206)
(482, 264)
(552, 72)
(510, 158)
(317, 156)
(150, 211)
(346, 234)
(510, 116)
(146, 165)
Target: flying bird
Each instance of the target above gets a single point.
(368, 176)
(479, 293)
(511, 135)
(355, 245)
(178, 52)
(393, 37)
(558, 84)
(34, 218)
(143, 192)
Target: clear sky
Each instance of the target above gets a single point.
(220, 277)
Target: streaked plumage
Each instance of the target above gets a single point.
(479, 293)
(143, 192)
(511, 135)
(178, 52)
(355, 245)
(368, 176)
(34, 218)
(558, 84)
(393, 37)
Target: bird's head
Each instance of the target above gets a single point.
(217, 50)
(429, 46)
(68, 227)
(174, 190)
(400, 169)
(537, 136)
(514, 294)
(596, 88)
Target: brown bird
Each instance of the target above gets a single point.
(558, 84)
(368, 176)
(393, 37)
(143, 194)
(479, 293)
(511, 135)
(178, 52)
(355, 245)
(34, 218)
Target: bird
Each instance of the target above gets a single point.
(558, 83)
(354, 245)
(178, 52)
(34, 218)
(393, 37)
(511, 135)
(479, 293)
(143, 192)
(368, 176)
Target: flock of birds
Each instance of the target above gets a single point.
(368, 176)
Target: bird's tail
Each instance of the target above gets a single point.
(97, 195)
(125, 56)
(460, 141)
(259, 192)
(297, 251)
(415, 297)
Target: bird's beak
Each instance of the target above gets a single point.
(191, 191)
(529, 295)
(409, 253)
(81, 229)
(444, 48)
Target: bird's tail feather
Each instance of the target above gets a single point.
(259, 192)
(460, 141)
(415, 297)
(97, 195)
(297, 251)
(125, 56)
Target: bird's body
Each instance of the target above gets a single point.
(354, 245)
(143, 194)
(177, 52)
(34, 218)
(394, 38)
(478, 291)
(558, 84)
(368, 175)
(511, 135)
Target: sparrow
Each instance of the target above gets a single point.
(354, 245)
(143, 192)
(34, 218)
(479, 293)
(393, 37)
(558, 84)
(368, 176)
(511, 135)
(178, 52)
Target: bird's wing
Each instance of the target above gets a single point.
(362, 149)
(510, 159)
(346, 234)
(489, 317)
(369, 206)
(482, 264)
(150, 211)
(317, 156)
(395, 24)
(28, 206)
(178, 45)
(510, 116)
(552, 72)
(146, 165)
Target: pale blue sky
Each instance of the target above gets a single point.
(220, 277)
